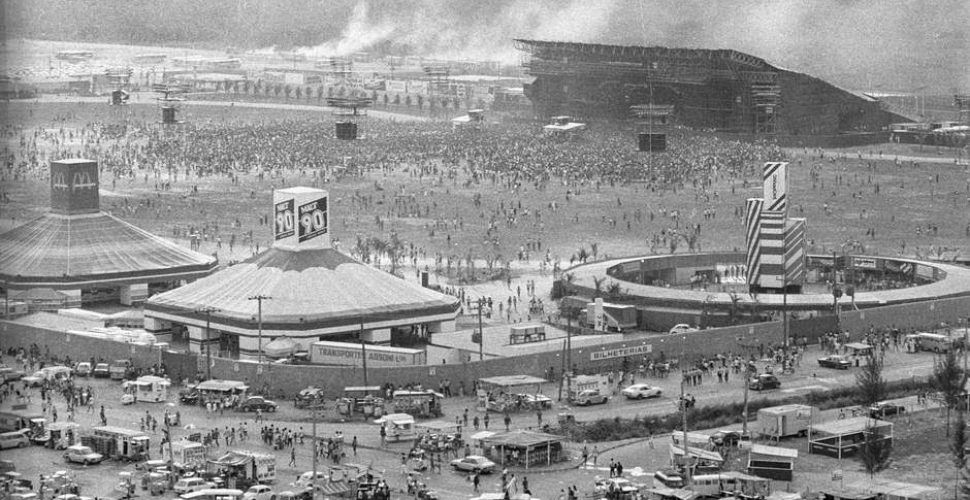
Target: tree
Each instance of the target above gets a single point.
(876, 451)
(598, 286)
(949, 379)
(582, 255)
(958, 446)
(595, 248)
(614, 290)
(872, 386)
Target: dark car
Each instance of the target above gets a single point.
(189, 397)
(729, 438)
(835, 361)
(254, 403)
(885, 408)
(101, 370)
(763, 382)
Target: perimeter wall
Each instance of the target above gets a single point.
(291, 378)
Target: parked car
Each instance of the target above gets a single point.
(16, 439)
(188, 484)
(83, 369)
(189, 397)
(763, 382)
(259, 492)
(474, 463)
(729, 438)
(304, 480)
(835, 361)
(625, 487)
(682, 328)
(101, 370)
(885, 408)
(641, 391)
(81, 454)
(253, 403)
(589, 397)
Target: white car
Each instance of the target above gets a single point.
(305, 479)
(641, 391)
(259, 492)
(474, 463)
(190, 484)
(682, 328)
(81, 454)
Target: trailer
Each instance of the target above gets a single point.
(188, 454)
(147, 388)
(12, 421)
(245, 468)
(779, 422)
(119, 443)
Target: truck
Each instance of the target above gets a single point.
(187, 454)
(244, 468)
(15, 420)
(580, 384)
(779, 422)
(119, 443)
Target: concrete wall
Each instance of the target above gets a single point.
(290, 378)
(78, 347)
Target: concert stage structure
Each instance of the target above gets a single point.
(724, 90)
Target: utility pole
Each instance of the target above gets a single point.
(363, 349)
(684, 408)
(481, 332)
(259, 299)
(746, 377)
(208, 310)
(313, 480)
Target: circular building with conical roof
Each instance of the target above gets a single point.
(77, 254)
(301, 289)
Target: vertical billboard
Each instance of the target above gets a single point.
(301, 218)
(74, 186)
(776, 186)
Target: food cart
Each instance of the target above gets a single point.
(512, 393)
(438, 435)
(59, 435)
(147, 388)
(422, 404)
(399, 426)
(359, 400)
(222, 391)
(119, 443)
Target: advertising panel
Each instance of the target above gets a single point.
(74, 186)
(285, 223)
(313, 219)
(621, 352)
(776, 186)
(397, 86)
(417, 87)
(345, 353)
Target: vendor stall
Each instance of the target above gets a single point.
(422, 404)
(361, 400)
(522, 448)
(772, 462)
(843, 438)
(702, 461)
(438, 435)
(512, 393)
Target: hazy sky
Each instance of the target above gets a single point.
(882, 44)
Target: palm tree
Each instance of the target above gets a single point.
(598, 286)
(594, 247)
(582, 255)
(614, 290)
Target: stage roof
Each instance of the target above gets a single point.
(87, 250)
(309, 289)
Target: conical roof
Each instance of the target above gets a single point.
(67, 251)
(309, 290)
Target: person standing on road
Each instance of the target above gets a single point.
(293, 456)
(508, 421)
(476, 480)
(353, 445)
(104, 418)
(485, 420)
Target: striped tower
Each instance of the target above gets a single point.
(752, 234)
(795, 252)
(772, 242)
